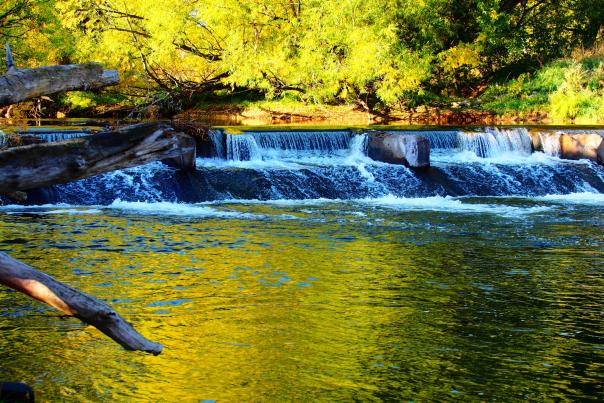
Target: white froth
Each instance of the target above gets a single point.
(449, 204)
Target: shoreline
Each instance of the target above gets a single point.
(284, 114)
(229, 115)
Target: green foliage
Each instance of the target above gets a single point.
(34, 31)
(578, 96)
(79, 101)
(381, 54)
(567, 90)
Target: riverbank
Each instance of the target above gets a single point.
(566, 91)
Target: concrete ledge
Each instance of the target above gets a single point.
(580, 146)
(410, 150)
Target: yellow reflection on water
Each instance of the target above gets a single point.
(273, 310)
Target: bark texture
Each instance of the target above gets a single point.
(19, 85)
(23, 278)
(38, 165)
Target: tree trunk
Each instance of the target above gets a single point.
(19, 85)
(38, 165)
(22, 84)
(72, 302)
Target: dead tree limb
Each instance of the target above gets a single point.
(39, 165)
(10, 62)
(31, 282)
(19, 85)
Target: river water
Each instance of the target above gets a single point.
(301, 270)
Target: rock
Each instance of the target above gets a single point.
(199, 131)
(409, 150)
(16, 392)
(536, 140)
(600, 153)
(580, 146)
(460, 104)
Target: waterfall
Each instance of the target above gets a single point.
(494, 142)
(358, 146)
(53, 135)
(2, 138)
(439, 139)
(487, 143)
(217, 138)
(303, 140)
(550, 142)
(326, 164)
(286, 145)
(242, 147)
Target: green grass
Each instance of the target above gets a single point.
(568, 90)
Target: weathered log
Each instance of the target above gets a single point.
(10, 62)
(19, 85)
(38, 285)
(34, 166)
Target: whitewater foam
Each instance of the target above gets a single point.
(450, 204)
(177, 209)
(575, 198)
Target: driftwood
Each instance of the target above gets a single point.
(72, 302)
(19, 85)
(39, 165)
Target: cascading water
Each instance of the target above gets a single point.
(217, 141)
(286, 145)
(334, 165)
(550, 142)
(439, 139)
(303, 140)
(51, 135)
(485, 143)
(494, 142)
(2, 138)
(242, 147)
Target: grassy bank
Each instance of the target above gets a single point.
(564, 91)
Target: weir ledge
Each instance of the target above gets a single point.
(410, 150)
(571, 146)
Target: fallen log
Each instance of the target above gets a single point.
(39, 165)
(31, 282)
(19, 85)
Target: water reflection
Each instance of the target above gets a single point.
(346, 301)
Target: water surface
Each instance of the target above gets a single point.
(389, 298)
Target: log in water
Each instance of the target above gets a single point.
(72, 302)
(29, 167)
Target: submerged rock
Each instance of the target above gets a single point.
(410, 150)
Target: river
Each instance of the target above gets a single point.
(292, 267)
